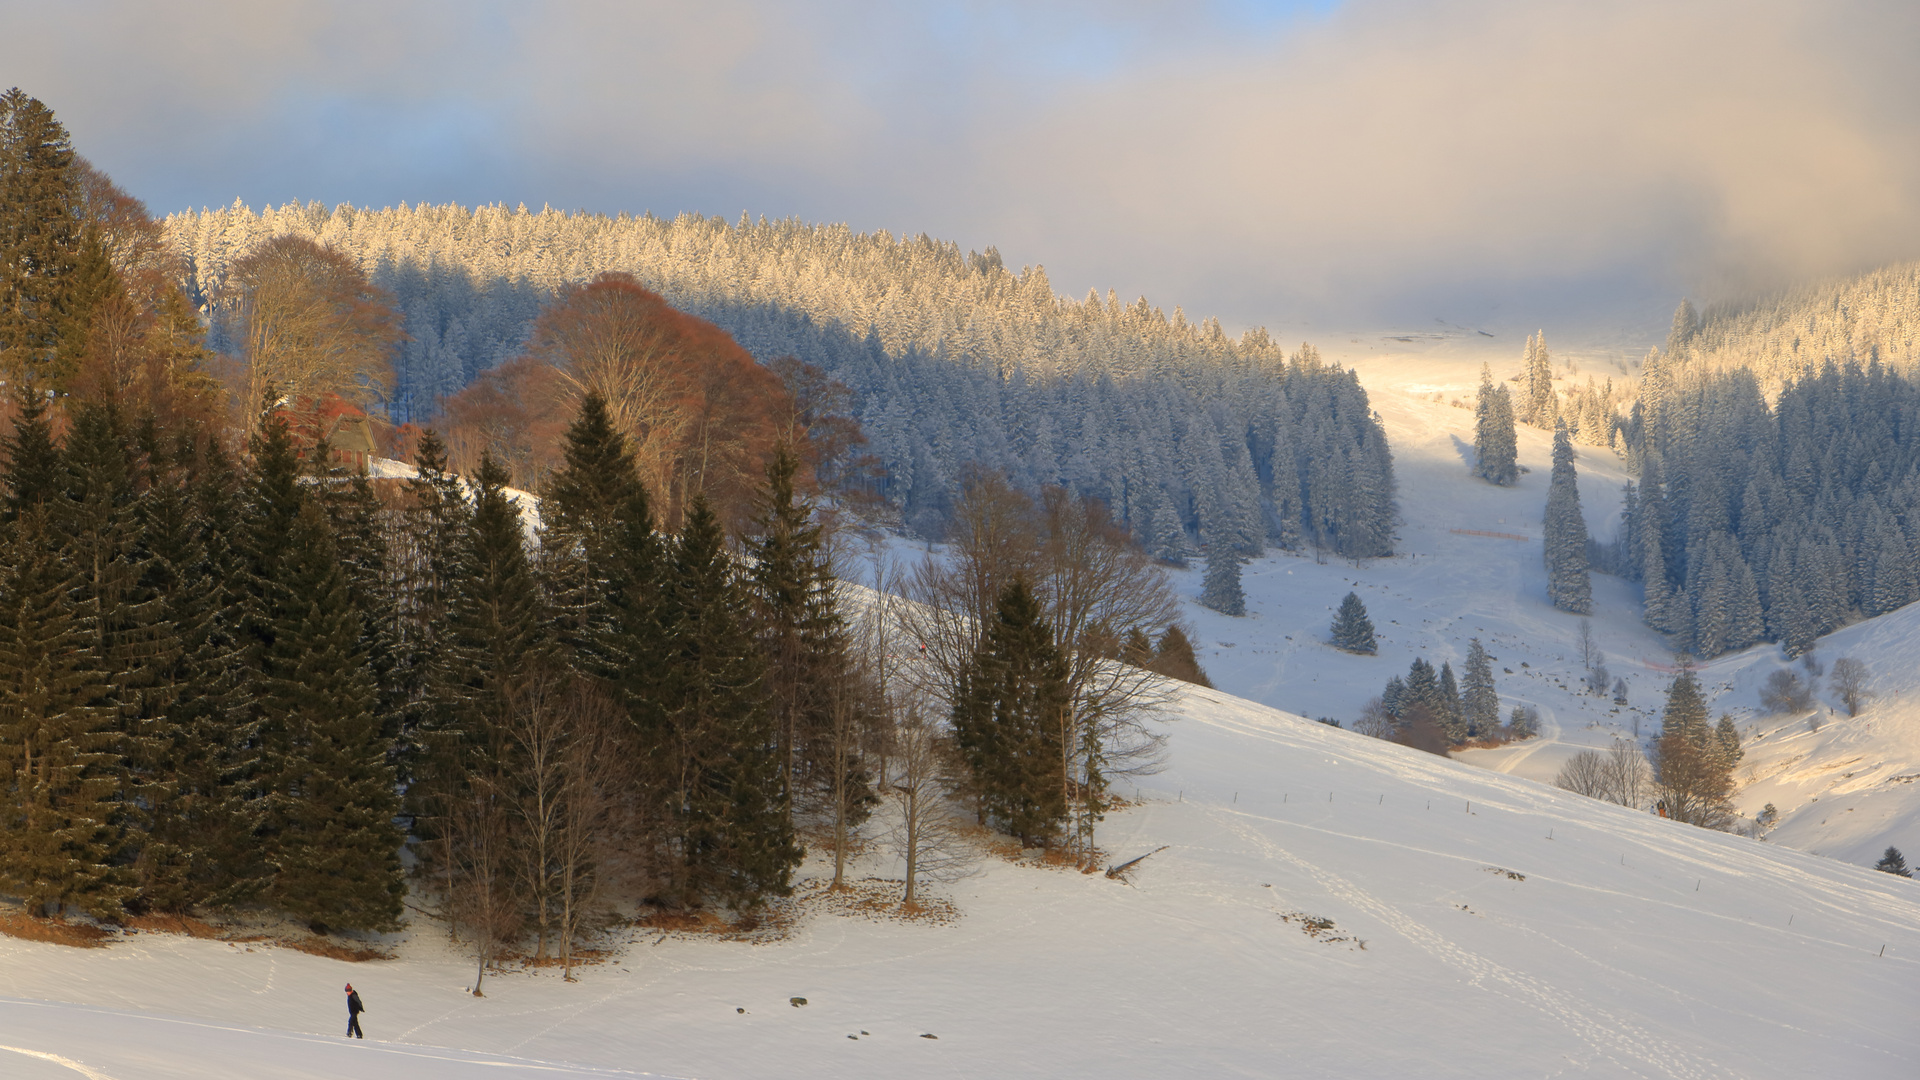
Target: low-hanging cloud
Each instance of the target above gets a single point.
(1381, 160)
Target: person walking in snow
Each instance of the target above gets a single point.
(354, 1009)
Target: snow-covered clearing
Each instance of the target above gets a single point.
(1452, 582)
(1509, 929)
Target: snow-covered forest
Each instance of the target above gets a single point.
(1771, 520)
(1872, 316)
(956, 360)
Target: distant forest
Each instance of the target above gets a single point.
(954, 361)
(1868, 318)
(1778, 452)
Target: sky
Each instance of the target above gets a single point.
(1299, 165)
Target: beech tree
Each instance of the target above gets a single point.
(306, 321)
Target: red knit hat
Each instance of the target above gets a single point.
(349, 988)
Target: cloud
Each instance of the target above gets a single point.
(1379, 160)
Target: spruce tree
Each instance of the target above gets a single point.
(1478, 700)
(322, 788)
(1539, 407)
(1566, 533)
(1726, 743)
(735, 841)
(199, 824)
(1220, 587)
(1893, 863)
(327, 788)
(36, 472)
(1495, 446)
(40, 240)
(801, 632)
(1394, 697)
(1174, 657)
(1352, 630)
(58, 837)
(1008, 719)
(1450, 716)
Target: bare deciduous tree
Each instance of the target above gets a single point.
(1786, 692)
(1848, 680)
(595, 772)
(925, 832)
(1619, 775)
(309, 324)
(1375, 721)
(481, 879)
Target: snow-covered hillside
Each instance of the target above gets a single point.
(1465, 924)
(1846, 791)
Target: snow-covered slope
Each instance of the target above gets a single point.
(1475, 925)
(1453, 582)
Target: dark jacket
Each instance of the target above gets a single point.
(354, 1008)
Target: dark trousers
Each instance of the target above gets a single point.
(353, 1025)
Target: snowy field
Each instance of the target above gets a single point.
(1509, 930)
(1846, 791)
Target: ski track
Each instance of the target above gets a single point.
(1607, 1034)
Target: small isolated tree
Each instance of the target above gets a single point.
(1693, 775)
(1786, 692)
(1893, 863)
(1585, 773)
(1525, 722)
(1848, 680)
(1220, 588)
(1352, 630)
(1619, 691)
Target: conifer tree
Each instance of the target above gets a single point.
(496, 631)
(1394, 697)
(40, 240)
(1726, 743)
(1007, 719)
(800, 629)
(1478, 700)
(1566, 533)
(1539, 407)
(1893, 862)
(1174, 658)
(59, 775)
(1352, 630)
(735, 841)
(1495, 446)
(199, 825)
(326, 850)
(1423, 688)
(1220, 587)
(1450, 716)
(35, 470)
(1694, 778)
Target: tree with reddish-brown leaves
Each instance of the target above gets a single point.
(306, 320)
(700, 415)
